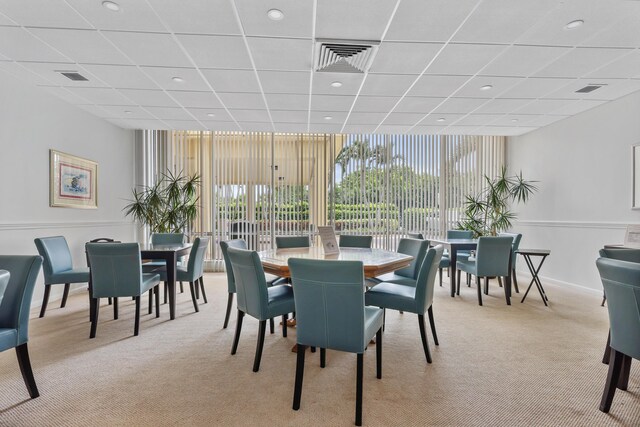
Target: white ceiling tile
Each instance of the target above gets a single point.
(152, 98)
(502, 131)
(101, 96)
(535, 87)
(232, 80)
(121, 76)
(287, 101)
(350, 83)
(375, 104)
(324, 128)
(221, 126)
(392, 129)
(366, 118)
(242, 100)
(437, 86)
(540, 106)
(285, 82)
(477, 119)
(295, 116)
(403, 58)
(403, 119)
(251, 116)
(19, 45)
(120, 111)
(169, 113)
(425, 130)
(216, 51)
(387, 84)
(202, 114)
(623, 33)
(184, 125)
(163, 76)
(196, 99)
(541, 121)
(460, 105)
(20, 72)
(139, 124)
(500, 84)
(515, 119)
(503, 106)
(268, 53)
(42, 13)
(523, 60)
(435, 119)
(52, 73)
(418, 104)
(460, 130)
(151, 49)
(624, 67)
(336, 117)
(133, 15)
(291, 127)
(464, 58)
(66, 95)
(331, 102)
(297, 21)
(349, 128)
(353, 20)
(256, 126)
(611, 89)
(428, 20)
(197, 16)
(580, 61)
(575, 107)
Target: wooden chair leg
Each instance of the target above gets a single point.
(204, 294)
(109, 301)
(607, 350)
(297, 391)
(65, 295)
(157, 292)
(236, 338)
(623, 381)
(115, 308)
(500, 281)
(272, 326)
(479, 286)
(433, 325)
(378, 354)
(514, 279)
(615, 368)
(45, 299)
(260, 345)
(486, 286)
(25, 368)
(150, 301)
(136, 325)
(458, 281)
(384, 318)
(181, 288)
(94, 320)
(323, 357)
(226, 317)
(285, 317)
(604, 299)
(423, 335)
(192, 288)
(440, 271)
(359, 390)
(166, 291)
(468, 280)
(197, 290)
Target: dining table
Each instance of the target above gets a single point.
(170, 254)
(453, 246)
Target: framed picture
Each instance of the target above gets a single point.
(73, 181)
(635, 185)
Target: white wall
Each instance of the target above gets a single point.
(583, 164)
(31, 123)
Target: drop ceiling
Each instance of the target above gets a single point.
(240, 70)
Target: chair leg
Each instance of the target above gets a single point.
(604, 299)
(109, 301)
(45, 299)
(136, 325)
(157, 292)
(479, 286)
(607, 350)
(166, 292)
(297, 391)
(285, 317)
(500, 281)
(384, 317)
(65, 295)
(197, 290)
(623, 381)
(236, 338)
(323, 357)
(514, 279)
(615, 368)
(468, 280)
(272, 326)
(486, 285)
(181, 288)
(433, 325)
(259, 345)
(115, 308)
(423, 335)
(193, 289)
(226, 317)
(94, 320)
(204, 294)
(25, 368)
(458, 281)
(150, 301)
(378, 354)
(359, 390)
(440, 271)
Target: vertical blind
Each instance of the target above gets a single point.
(256, 186)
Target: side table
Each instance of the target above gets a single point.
(527, 254)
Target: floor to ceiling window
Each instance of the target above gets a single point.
(256, 186)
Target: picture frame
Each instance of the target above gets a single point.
(73, 181)
(635, 184)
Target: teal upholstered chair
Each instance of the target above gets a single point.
(514, 256)
(14, 310)
(193, 271)
(407, 275)
(412, 299)
(286, 242)
(331, 314)
(492, 260)
(116, 271)
(351, 241)
(256, 299)
(445, 262)
(621, 282)
(58, 268)
(164, 239)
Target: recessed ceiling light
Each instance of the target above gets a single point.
(114, 7)
(336, 84)
(127, 112)
(210, 115)
(514, 120)
(486, 87)
(574, 24)
(441, 119)
(275, 14)
(177, 79)
(328, 117)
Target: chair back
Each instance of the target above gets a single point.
(351, 241)
(493, 256)
(167, 238)
(16, 302)
(195, 265)
(427, 278)
(514, 246)
(56, 254)
(285, 242)
(116, 269)
(459, 234)
(622, 254)
(329, 299)
(621, 282)
(417, 249)
(4, 281)
(251, 284)
(224, 246)
(418, 236)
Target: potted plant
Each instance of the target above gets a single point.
(489, 212)
(169, 206)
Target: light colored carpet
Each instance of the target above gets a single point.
(524, 365)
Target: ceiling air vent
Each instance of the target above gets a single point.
(589, 88)
(344, 56)
(73, 75)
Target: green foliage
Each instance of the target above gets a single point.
(488, 212)
(417, 218)
(169, 206)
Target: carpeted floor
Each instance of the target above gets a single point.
(523, 365)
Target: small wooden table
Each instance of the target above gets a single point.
(376, 261)
(453, 246)
(527, 254)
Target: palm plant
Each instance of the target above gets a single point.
(169, 206)
(488, 212)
